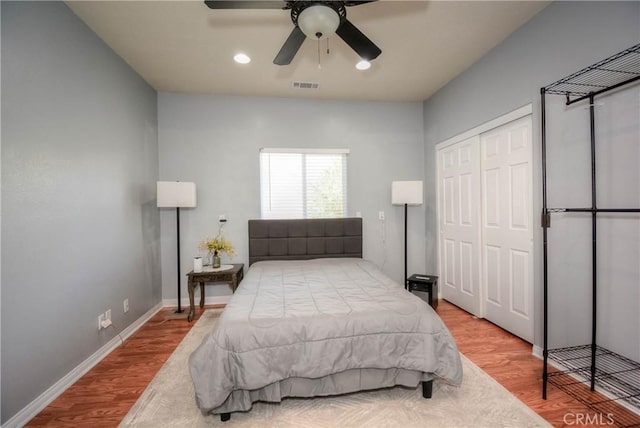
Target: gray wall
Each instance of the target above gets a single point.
(80, 230)
(82, 147)
(561, 39)
(215, 141)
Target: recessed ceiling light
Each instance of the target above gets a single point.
(363, 65)
(241, 58)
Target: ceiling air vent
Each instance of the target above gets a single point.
(305, 85)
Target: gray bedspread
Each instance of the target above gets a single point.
(318, 327)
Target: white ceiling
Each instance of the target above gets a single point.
(183, 46)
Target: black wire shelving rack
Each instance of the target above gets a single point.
(582, 368)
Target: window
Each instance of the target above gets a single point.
(303, 183)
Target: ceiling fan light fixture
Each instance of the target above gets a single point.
(242, 58)
(363, 65)
(318, 21)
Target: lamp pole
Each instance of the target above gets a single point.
(179, 310)
(404, 281)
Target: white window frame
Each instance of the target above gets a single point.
(305, 151)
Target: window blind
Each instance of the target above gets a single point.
(303, 183)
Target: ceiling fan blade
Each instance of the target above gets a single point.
(290, 47)
(358, 41)
(357, 2)
(246, 4)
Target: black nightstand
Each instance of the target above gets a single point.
(427, 284)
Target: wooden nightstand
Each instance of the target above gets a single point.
(427, 284)
(233, 276)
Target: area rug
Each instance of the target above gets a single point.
(169, 401)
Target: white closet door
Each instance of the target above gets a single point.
(459, 222)
(507, 233)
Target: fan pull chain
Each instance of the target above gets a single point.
(327, 46)
(319, 66)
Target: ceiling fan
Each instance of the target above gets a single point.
(314, 19)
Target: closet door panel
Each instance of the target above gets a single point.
(459, 222)
(492, 269)
(519, 269)
(507, 234)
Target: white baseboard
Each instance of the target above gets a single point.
(37, 405)
(536, 351)
(210, 300)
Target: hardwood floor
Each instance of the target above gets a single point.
(508, 360)
(105, 394)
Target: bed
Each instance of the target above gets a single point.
(312, 318)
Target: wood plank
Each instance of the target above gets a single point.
(105, 394)
(509, 360)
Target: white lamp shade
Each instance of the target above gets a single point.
(176, 194)
(406, 192)
(318, 21)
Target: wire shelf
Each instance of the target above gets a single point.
(615, 374)
(617, 70)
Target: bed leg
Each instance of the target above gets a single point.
(427, 388)
(224, 417)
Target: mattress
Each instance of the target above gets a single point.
(318, 327)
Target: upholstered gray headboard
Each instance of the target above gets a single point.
(304, 239)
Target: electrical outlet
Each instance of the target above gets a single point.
(358, 214)
(125, 305)
(381, 215)
(104, 320)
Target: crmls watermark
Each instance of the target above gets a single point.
(588, 419)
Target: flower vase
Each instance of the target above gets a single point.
(216, 261)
